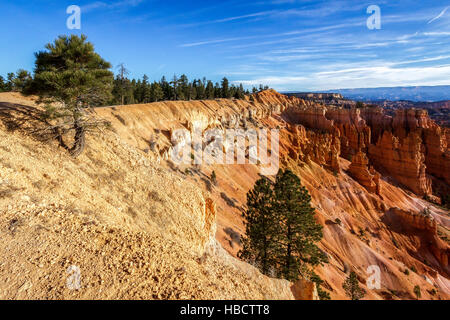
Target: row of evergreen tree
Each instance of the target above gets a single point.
(18, 81)
(128, 91)
(132, 91)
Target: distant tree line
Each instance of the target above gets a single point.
(19, 81)
(132, 91)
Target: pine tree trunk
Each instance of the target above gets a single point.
(288, 254)
(80, 140)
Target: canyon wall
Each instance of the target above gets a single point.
(408, 147)
(409, 123)
(304, 145)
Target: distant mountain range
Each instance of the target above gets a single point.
(416, 94)
(421, 93)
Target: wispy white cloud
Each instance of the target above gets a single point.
(251, 15)
(323, 10)
(111, 5)
(366, 77)
(423, 60)
(283, 34)
(214, 41)
(439, 15)
(229, 19)
(443, 33)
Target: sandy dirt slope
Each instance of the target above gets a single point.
(134, 229)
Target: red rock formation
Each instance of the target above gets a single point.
(306, 145)
(437, 154)
(273, 98)
(355, 134)
(405, 122)
(403, 160)
(365, 175)
(408, 146)
(310, 117)
(377, 121)
(304, 290)
(426, 223)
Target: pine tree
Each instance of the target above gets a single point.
(241, 92)
(214, 178)
(126, 91)
(147, 90)
(201, 89)
(167, 90)
(299, 231)
(323, 295)
(70, 77)
(184, 92)
(209, 91)
(10, 81)
(259, 245)
(22, 81)
(217, 90)
(157, 92)
(138, 91)
(417, 292)
(175, 90)
(2, 84)
(225, 89)
(123, 72)
(351, 287)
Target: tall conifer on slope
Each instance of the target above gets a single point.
(259, 245)
(299, 230)
(351, 287)
(281, 232)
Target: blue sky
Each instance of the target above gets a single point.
(286, 44)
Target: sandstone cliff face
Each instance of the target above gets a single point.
(311, 138)
(304, 145)
(367, 176)
(304, 290)
(355, 134)
(437, 153)
(409, 147)
(434, 142)
(310, 117)
(428, 224)
(402, 159)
